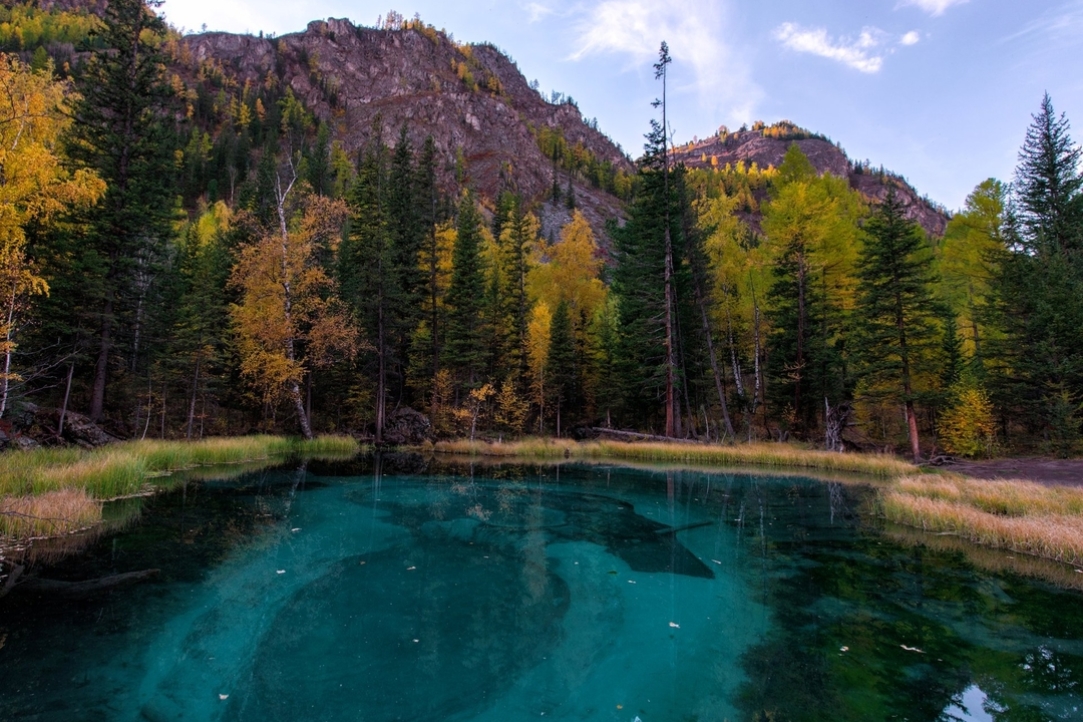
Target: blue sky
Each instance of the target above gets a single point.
(940, 91)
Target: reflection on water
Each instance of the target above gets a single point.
(339, 592)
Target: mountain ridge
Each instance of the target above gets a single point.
(487, 121)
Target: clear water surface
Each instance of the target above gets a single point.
(400, 589)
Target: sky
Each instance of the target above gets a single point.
(939, 91)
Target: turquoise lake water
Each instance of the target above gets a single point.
(358, 591)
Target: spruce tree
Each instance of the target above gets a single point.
(1037, 364)
(367, 270)
(1049, 186)
(464, 342)
(429, 213)
(517, 239)
(897, 331)
(640, 353)
(561, 364)
(120, 133)
(407, 231)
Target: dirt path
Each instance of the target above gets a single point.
(1053, 472)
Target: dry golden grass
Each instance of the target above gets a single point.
(54, 513)
(772, 455)
(1020, 516)
(124, 469)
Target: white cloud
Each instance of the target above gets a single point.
(537, 11)
(911, 38)
(933, 7)
(696, 33)
(858, 54)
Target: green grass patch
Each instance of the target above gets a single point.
(127, 468)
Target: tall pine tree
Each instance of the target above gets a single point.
(897, 332)
(1038, 365)
(464, 343)
(120, 132)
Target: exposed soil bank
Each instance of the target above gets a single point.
(1051, 472)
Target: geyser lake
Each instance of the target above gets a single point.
(404, 589)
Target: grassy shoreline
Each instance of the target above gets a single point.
(49, 492)
(769, 455)
(56, 491)
(1014, 515)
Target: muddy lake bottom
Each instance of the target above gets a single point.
(384, 589)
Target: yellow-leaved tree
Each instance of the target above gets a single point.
(571, 274)
(541, 321)
(35, 187)
(289, 319)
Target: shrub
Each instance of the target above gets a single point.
(969, 428)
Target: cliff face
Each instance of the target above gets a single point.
(753, 147)
(478, 107)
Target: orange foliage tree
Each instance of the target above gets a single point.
(289, 319)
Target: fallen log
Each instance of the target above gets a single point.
(92, 586)
(635, 436)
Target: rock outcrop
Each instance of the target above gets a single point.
(750, 147)
(482, 113)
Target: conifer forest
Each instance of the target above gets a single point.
(185, 254)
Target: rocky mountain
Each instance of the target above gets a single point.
(492, 129)
(766, 147)
(486, 120)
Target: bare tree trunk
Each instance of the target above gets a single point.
(101, 368)
(293, 387)
(733, 349)
(381, 375)
(912, 424)
(308, 396)
(298, 404)
(195, 395)
(671, 429)
(150, 405)
(835, 422)
(799, 376)
(758, 391)
(717, 370)
(6, 383)
(67, 396)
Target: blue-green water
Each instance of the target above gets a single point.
(515, 593)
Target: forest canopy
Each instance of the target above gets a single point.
(219, 263)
